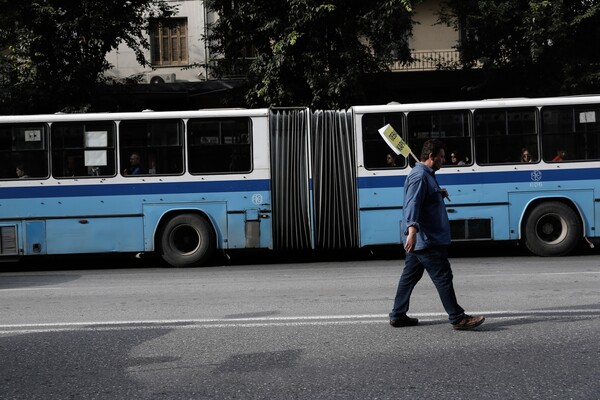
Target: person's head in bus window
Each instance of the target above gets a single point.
(561, 155)
(526, 155)
(135, 166)
(454, 160)
(21, 171)
(390, 160)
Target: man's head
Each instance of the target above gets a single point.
(134, 159)
(433, 154)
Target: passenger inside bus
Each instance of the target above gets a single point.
(390, 160)
(135, 166)
(560, 156)
(526, 155)
(21, 172)
(454, 160)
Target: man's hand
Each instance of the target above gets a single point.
(445, 195)
(411, 239)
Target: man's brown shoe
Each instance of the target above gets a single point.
(403, 321)
(467, 322)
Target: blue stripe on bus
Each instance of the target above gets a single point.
(474, 178)
(134, 189)
(380, 181)
(264, 184)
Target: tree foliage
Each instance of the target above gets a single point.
(54, 51)
(308, 52)
(542, 47)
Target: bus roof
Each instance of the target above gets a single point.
(140, 115)
(474, 104)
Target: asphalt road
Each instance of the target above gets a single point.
(298, 330)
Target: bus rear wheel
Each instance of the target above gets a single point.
(186, 240)
(552, 229)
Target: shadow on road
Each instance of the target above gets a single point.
(254, 257)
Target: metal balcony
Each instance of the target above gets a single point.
(429, 60)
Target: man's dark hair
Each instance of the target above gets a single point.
(432, 146)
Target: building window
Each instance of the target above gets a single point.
(168, 43)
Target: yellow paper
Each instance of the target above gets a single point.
(394, 140)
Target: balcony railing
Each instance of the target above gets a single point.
(425, 60)
(429, 60)
(231, 69)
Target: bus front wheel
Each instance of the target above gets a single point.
(552, 229)
(186, 240)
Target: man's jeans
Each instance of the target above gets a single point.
(435, 261)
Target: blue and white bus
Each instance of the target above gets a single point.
(293, 178)
(549, 201)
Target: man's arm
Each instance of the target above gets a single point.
(415, 190)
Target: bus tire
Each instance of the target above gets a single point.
(186, 240)
(552, 229)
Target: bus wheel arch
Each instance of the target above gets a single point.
(185, 239)
(552, 227)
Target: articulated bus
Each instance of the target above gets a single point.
(526, 170)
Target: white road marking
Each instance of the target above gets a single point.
(256, 322)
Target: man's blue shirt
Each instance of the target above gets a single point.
(424, 208)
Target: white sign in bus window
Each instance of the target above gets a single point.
(96, 139)
(33, 135)
(587, 117)
(95, 158)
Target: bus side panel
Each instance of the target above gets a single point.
(9, 239)
(94, 235)
(380, 214)
(380, 209)
(35, 238)
(236, 237)
(474, 214)
(483, 222)
(249, 230)
(155, 213)
(380, 227)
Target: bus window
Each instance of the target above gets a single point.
(83, 149)
(375, 149)
(157, 143)
(452, 127)
(502, 134)
(23, 145)
(219, 145)
(574, 130)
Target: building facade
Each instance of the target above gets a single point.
(179, 55)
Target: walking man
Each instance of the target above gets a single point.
(426, 235)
